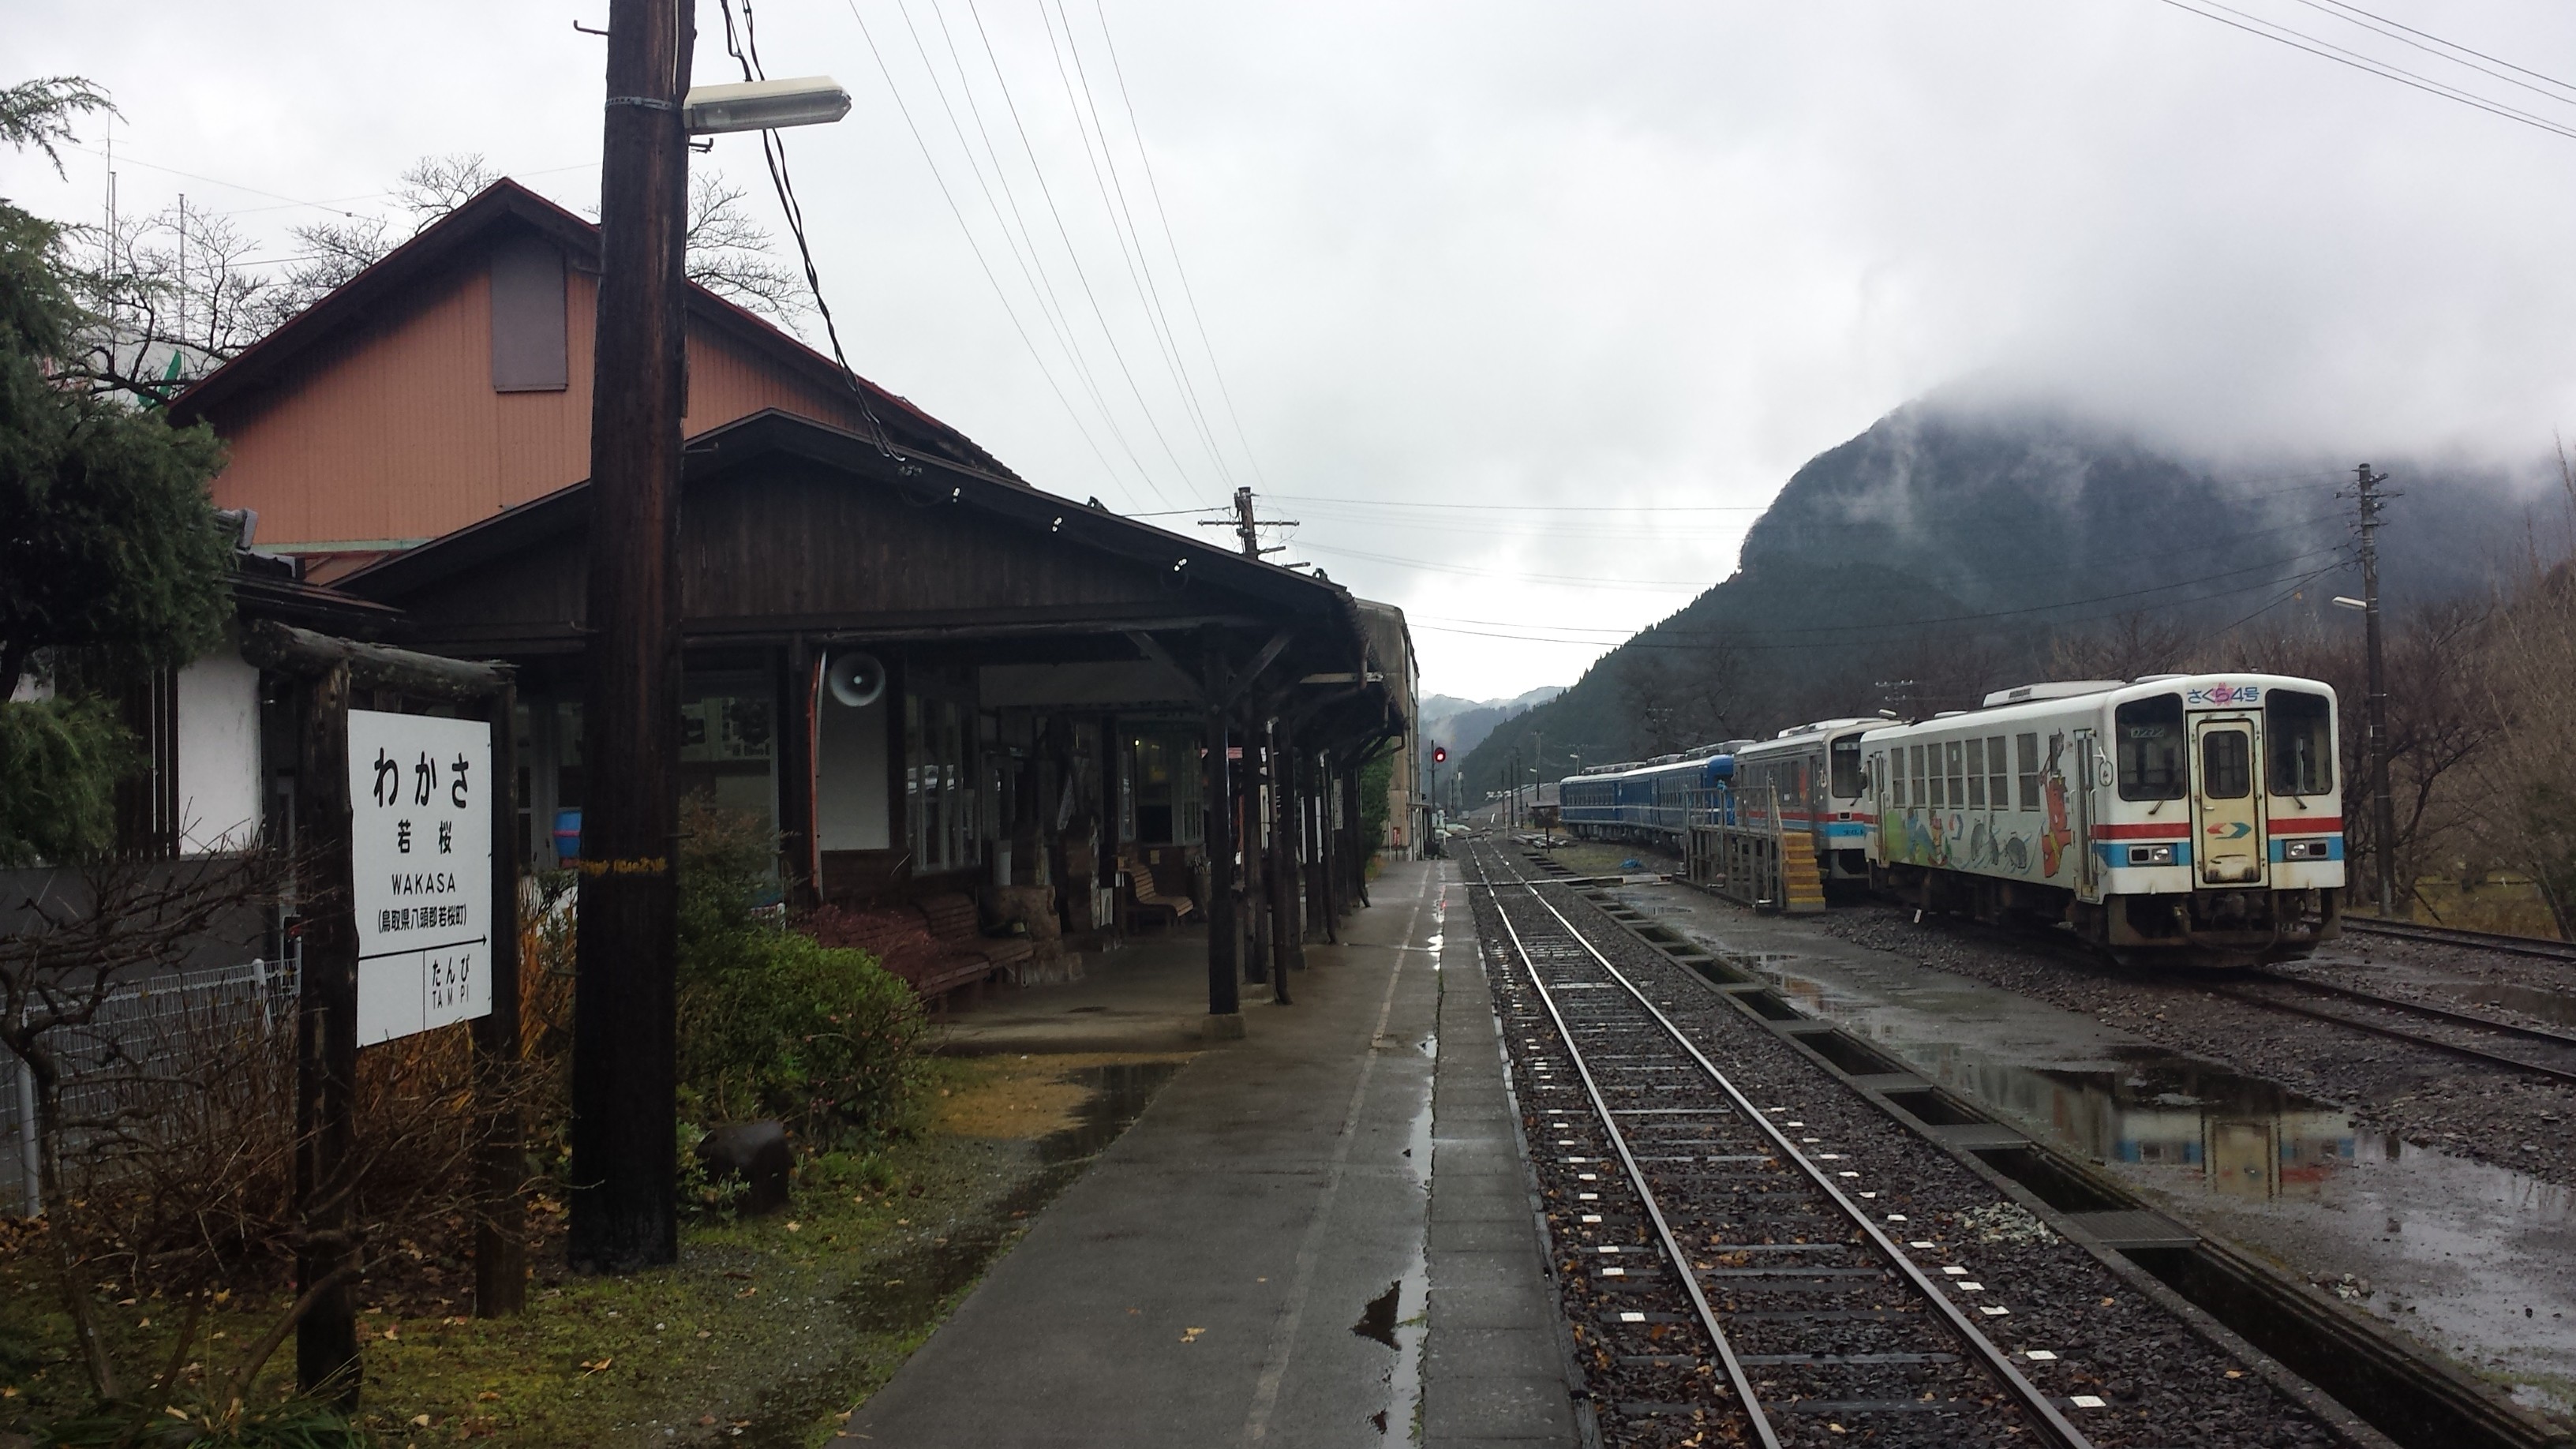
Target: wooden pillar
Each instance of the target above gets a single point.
(326, 1041)
(500, 1233)
(1217, 835)
(1246, 837)
(1287, 921)
(1328, 848)
(799, 843)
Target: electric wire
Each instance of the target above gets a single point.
(2451, 44)
(1019, 124)
(1735, 643)
(1131, 247)
(2328, 50)
(773, 150)
(1054, 321)
(1154, 189)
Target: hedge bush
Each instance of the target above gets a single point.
(772, 1022)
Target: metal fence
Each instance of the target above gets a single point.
(137, 1028)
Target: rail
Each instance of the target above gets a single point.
(2463, 936)
(2026, 1397)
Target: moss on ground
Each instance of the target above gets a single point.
(767, 1331)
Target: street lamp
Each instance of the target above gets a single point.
(767, 105)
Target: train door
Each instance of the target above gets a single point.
(2088, 861)
(2227, 825)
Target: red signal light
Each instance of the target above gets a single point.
(1439, 754)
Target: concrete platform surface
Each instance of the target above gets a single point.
(1222, 1274)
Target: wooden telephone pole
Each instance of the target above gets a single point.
(624, 1122)
(2383, 811)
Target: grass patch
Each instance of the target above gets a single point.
(766, 1331)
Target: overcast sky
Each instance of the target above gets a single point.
(1478, 266)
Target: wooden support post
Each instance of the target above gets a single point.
(500, 1234)
(326, 1040)
(1247, 843)
(1328, 843)
(1225, 997)
(798, 845)
(1287, 929)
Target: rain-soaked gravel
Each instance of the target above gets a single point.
(2160, 1383)
(2511, 1120)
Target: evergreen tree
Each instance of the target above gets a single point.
(112, 564)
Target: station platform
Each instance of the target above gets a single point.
(1315, 1235)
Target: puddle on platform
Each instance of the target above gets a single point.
(2470, 1257)
(1377, 1320)
(2550, 1006)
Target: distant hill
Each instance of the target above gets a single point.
(1947, 551)
(1463, 724)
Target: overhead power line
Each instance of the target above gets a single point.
(2278, 33)
(1023, 251)
(1154, 189)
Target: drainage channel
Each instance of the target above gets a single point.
(2390, 1382)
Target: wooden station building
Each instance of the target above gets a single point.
(931, 679)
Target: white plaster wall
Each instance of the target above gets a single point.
(218, 754)
(850, 810)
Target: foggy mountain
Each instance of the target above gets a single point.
(1951, 547)
(1463, 724)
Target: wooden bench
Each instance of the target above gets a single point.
(1145, 895)
(956, 922)
(936, 945)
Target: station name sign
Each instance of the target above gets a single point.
(421, 855)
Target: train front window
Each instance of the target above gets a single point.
(1846, 767)
(2298, 730)
(2227, 764)
(2150, 748)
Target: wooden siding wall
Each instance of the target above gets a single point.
(393, 430)
(790, 542)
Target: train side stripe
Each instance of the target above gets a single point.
(2150, 830)
(2306, 825)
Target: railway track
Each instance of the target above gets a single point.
(2539, 1051)
(1770, 1305)
(2462, 936)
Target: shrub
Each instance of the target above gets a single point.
(772, 1022)
(818, 1036)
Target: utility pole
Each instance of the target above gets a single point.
(2383, 811)
(624, 1124)
(1247, 526)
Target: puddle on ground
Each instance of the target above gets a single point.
(1377, 1320)
(2470, 1257)
(2551, 1006)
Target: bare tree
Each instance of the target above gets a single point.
(2135, 643)
(2528, 664)
(169, 1137)
(1679, 691)
(176, 294)
(729, 253)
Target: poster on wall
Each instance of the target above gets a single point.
(421, 854)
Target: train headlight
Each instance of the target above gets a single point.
(2306, 850)
(2151, 855)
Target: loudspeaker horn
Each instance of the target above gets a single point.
(856, 679)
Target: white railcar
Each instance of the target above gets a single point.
(2183, 818)
(1814, 772)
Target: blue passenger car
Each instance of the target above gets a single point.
(1652, 801)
